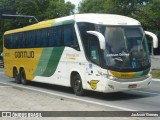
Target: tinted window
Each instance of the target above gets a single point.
(94, 51)
(51, 37)
(83, 28)
(68, 35)
(58, 36)
(43, 35)
(30, 39)
(48, 37)
(20, 40)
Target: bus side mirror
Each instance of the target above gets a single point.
(100, 38)
(154, 37)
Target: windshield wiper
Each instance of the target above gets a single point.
(118, 59)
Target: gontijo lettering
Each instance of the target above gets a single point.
(24, 54)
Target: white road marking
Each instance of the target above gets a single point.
(156, 79)
(78, 99)
(4, 86)
(146, 92)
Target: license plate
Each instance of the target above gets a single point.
(132, 86)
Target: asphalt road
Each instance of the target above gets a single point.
(135, 100)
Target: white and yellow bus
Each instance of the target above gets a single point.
(97, 52)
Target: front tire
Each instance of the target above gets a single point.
(77, 85)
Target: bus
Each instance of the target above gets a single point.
(96, 52)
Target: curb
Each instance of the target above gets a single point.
(156, 79)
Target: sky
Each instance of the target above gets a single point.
(76, 2)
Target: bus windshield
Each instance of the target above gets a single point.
(126, 48)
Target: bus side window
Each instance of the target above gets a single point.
(70, 38)
(30, 39)
(83, 28)
(7, 40)
(21, 41)
(93, 50)
(11, 41)
(16, 45)
(41, 38)
(38, 38)
(58, 37)
(51, 37)
(44, 38)
(67, 35)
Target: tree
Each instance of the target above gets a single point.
(94, 6)
(123, 7)
(149, 16)
(58, 8)
(42, 9)
(26, 7)
(146, 11)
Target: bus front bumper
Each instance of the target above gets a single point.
(115, 86)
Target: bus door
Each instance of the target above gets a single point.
(93, 55)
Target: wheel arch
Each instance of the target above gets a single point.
(21, 68)
(73, 73)
(14, 68)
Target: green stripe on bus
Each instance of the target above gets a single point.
(145, 72)
(43, 61)
(52, 57)
(53, 61)
(142, 73)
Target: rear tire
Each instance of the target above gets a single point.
(77, 85)
(23, 77)
(16, 76)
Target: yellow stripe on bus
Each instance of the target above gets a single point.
(26, 58)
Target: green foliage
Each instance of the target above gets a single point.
(94, 6)
(149, 15)
(124, 7)
(58, 9)
(155, 74)
(146, 11)
(41, 9)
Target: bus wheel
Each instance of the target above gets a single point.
(16, 76)
(77, 85)
(23, 77)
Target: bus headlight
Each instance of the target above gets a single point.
(111, 77)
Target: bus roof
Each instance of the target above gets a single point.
(104, 19)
